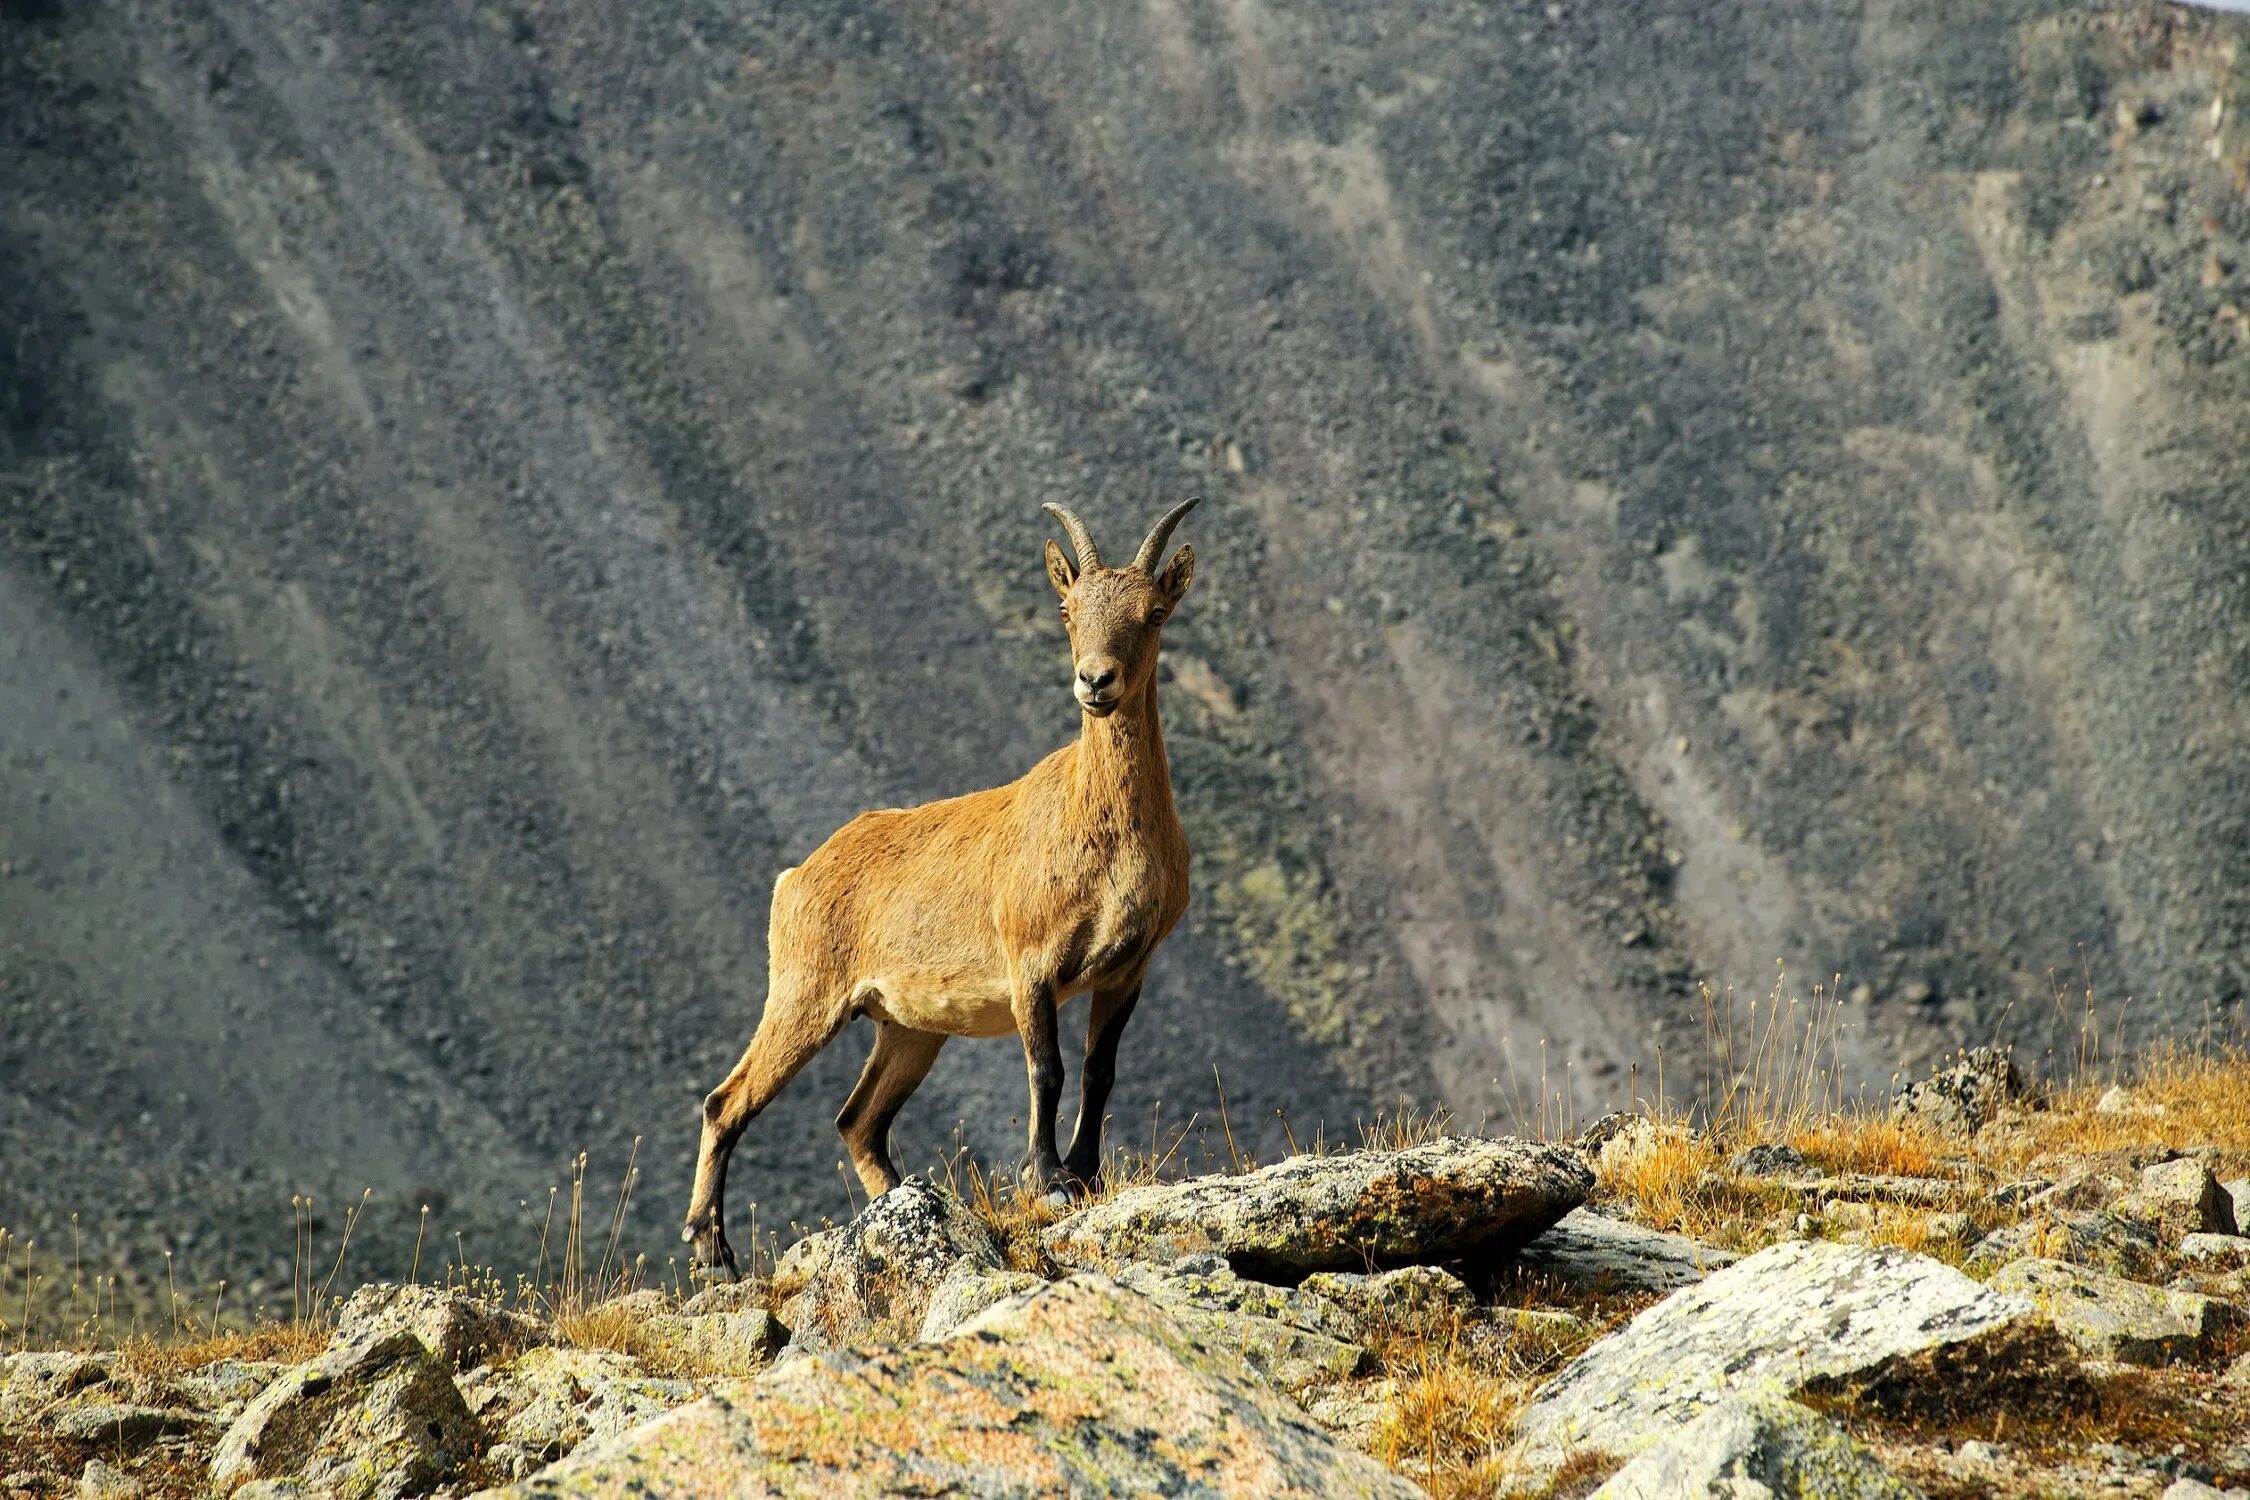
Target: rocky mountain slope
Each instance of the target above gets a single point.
(485, 485)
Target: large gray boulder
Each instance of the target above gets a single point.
(1791, 1316)
(2112, 1318)
(1590, 1251)
(878, 1272)
(1436, 1201)
(374, 1417)
(1079, 1388)
(1756, 1448)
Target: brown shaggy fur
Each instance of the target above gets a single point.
(982, 914)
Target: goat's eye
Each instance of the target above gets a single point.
(1156, 616)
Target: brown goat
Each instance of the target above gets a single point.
(982, 914)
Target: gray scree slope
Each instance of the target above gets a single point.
(484, 486)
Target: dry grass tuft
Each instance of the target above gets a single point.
(2180, 1098)
(147, 1358)
(1449, 1411)
(628, 1328)
(1863, 1140)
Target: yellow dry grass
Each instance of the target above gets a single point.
(147, 1358)
(2178, 1098)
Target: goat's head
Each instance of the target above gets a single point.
(1115, 615)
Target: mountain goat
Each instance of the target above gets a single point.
(982, 914)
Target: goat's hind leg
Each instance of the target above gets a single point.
(793, 1028)
(896, 1066)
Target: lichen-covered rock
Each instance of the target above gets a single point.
(1759, 1447)
(222, 1389)
(880, 1269)
(120, 1427)
(1617, 1140)
(722, 1344)
(1963, 1096)
(2192, 1489)
(968, 1289)
(726, 1297)
(2094, 1237)
(2112, 1318)
(1436, 1201)
(1081, 1387)
(463, 1330)
(1794, 1314)
(1390, 1296)
(1294, 1338)
(103, 1480)
(2214, 1252)
(1352, 1412)
(375, 1416)
(2177, 1198)
(1590, 1251)
(1770, 1159)
(541, 1406)
(30, 1383)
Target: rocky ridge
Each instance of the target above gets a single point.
(1561, 1347)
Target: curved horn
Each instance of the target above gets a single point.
(1152, 550)
(1088, 558)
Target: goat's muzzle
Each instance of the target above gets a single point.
(1098, 687)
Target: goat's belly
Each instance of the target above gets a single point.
(948, 1003)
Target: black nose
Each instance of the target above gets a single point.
(1097, 681)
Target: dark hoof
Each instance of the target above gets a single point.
(1055, 1186)
(712, 1258)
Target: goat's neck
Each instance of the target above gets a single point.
(1121, 765)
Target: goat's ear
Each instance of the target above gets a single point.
(1059, 571)
(1172, 583)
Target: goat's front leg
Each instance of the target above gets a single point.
(1106, 1016)
(1042, 1055)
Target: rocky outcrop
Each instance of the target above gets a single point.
(122, 1427)
(1761, 1447)
(1963, 1096)
(880, 1270)
(2112, 1318)
(1390, 1296)
(968, 1289)
(1446, 1198)
(2094, 1238)
(1295, 1338)
(31, 1382)
(1774, 1323)
(1081, 1387)
(375, 1417)
(2178, 1198)
(543, 1405)
(463, 1330)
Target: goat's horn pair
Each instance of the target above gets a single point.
(1152, 550)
